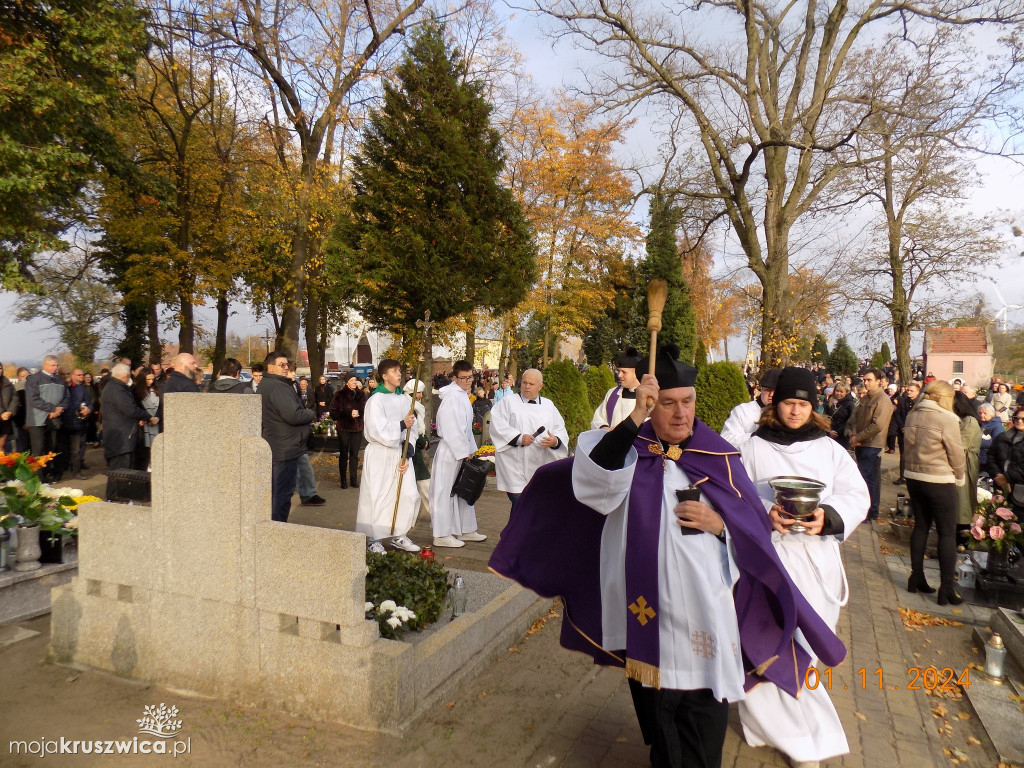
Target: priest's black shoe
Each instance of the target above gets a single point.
(917, 583)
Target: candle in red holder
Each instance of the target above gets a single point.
(427, 553)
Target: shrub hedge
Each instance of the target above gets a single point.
(720, 388)
(598, 379)
(563, 384)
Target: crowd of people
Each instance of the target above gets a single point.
(677, 532)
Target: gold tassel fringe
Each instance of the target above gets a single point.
(648, 674)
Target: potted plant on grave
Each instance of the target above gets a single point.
(404, 592)
(34, 507)
(995, 529)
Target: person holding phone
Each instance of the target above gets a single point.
(791, 439)
(528, 432)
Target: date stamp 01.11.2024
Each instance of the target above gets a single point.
(916, 679)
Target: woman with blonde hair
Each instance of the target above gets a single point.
(935, 466)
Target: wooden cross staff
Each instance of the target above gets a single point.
(426, 324)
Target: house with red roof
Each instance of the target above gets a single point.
(959, 353)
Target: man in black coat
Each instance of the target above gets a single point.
(286, 429)
(181, 379)
(910, 397)
(122, 417)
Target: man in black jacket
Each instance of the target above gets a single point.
(181, 379)
(122, 417)
(286, 429)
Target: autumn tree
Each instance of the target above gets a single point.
(431, 228)
(714, 299)
(313, 58)
(578, 201)
(757, 110)
(62, 62)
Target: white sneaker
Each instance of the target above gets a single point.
(404, 542)
(474, 536)
(448, 541)
(377, 548)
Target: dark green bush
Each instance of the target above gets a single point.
(598, 380)
(563, 384)
(720, 388)
(419, 584)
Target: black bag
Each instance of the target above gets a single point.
(470, 481)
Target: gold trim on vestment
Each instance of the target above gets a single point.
(759, 670)
(648, 674)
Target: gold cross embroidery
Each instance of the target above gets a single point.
(642, 611)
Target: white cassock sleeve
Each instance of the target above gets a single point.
(741, 423)
(849, 493)
(382, 420)
(601, 489)
(601, 412)
(557, 428)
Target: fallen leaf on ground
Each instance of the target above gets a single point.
(964, 715)
(916, 620)
(973, 742)
(859, 716)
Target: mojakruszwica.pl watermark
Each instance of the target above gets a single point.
(157, 721)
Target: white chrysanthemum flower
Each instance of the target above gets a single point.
(367, 606)
(394, 622)
(984, 494)
(387, 605)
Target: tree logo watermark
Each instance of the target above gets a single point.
(159, 721)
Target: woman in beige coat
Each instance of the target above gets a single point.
(934, 468)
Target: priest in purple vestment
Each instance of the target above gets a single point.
(683, 590)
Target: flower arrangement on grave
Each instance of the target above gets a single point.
(25, 499)
(994, 527)
(478, 427)
(324, 426)
(404, 593)
(485, 451)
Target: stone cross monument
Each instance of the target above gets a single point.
(203, 592)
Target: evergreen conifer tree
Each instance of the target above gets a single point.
(678, 322)
(819, 349)
(430, 227)
(700, 357)
(843, 360)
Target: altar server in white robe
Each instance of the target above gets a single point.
(528, 432)
(453, 520)
(744, 417)
(386, 418)
(793, 440)
(618, 401)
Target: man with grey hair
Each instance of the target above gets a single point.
(122, 417)
(46, 398)
(528, 432)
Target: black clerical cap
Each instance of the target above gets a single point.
(796, 384)
(669, 372)
(770, 378)
(628, 359)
